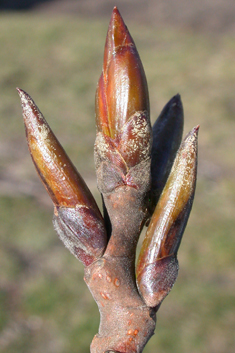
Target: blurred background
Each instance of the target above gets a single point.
(54, 51)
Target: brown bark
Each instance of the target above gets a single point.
(126, 323)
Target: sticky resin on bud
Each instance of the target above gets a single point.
(157, 266)
(124, 132)
(72, 199)
(122, 88)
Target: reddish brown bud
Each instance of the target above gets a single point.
(122, 89)
(157, 264)
(122, 113)
(124, 135)
(64, 184)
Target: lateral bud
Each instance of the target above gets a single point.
(157, 266)
(77, 219)
(167, 136)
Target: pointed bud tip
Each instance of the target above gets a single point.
(31, 112)
(25, 98)
(176, 98)
(22, 93)
(193, 133)
(115, 11)
(116, 16)
(120, 34)
(190, 143)
(176, 102)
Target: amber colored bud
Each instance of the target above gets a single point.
(157, 264)
(122, 88)
(77, 220)
(61, 179)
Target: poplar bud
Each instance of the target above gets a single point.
(122, 114)
(167, 135)
(77, 219)
(157, 266)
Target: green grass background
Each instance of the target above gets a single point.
(44, 303)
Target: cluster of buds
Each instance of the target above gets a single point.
(145, 176)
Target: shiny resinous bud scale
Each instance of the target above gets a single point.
(145, 176)
(77, 218)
